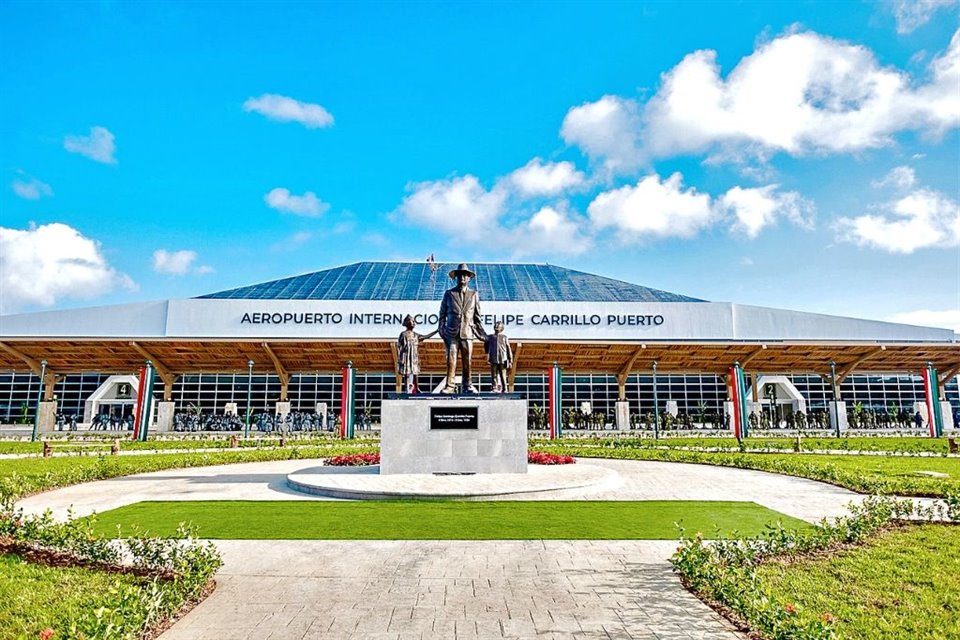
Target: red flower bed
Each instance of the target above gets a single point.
(354, 460)
(538, 457)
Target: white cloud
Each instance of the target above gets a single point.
(911, 14)
(800, 93)
(899, 178)
(550, 231)
(99, 145)
(41, 265)
(30, 188)
(173, 262)
(285, 109)
(458, 206)
(921, 219)
(949, 319)
(607, 131)
(308, 204)
(653, 208)
(756, 208)
(551, 179)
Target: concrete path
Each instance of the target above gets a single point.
(445, 590)
(452, 589)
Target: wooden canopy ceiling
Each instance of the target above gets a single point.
(288, 357)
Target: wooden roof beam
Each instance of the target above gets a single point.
(628, 365)
(952, 372)
(30, 362)
(753, 354)
(163, 370)
(281, 371)
(856, 363)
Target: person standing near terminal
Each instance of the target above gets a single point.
(459, 325)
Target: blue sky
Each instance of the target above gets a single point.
(801, 155)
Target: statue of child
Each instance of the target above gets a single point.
(500, 357)
(408, 354)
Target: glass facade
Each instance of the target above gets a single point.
(694, 394)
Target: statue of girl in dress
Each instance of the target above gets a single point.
(408, 354)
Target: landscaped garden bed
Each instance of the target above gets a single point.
(868, 575)
(60, 580)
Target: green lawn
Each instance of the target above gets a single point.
(24, 476)
(886, 444)
(67, 442)
(887, 475)
(904, 583)
(446, 520)
(35, 597)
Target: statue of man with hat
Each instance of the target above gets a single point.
(460, 325)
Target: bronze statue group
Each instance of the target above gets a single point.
(459, 326)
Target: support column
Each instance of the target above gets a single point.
(165, 411)
(623, 415)
(47, 416)
(838, 416)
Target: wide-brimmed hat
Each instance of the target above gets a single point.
(463, 268)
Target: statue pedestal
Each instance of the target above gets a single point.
(478, 433)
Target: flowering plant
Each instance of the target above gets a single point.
(354, 460)
(539, 457)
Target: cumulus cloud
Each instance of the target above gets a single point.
(175, 263)
(899, 178)
(801, 93)
(653, 208)
(756, 208)
(607, 131)
(911, 14)
(42, 265)
(464, 210)
(30, 188)
(949, 319)
(921, 219)
(308, 204)
(549, 231)
(537, 178)
(99, 145)
(458, 205)
(285, 109)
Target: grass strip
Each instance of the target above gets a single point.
(903, 583)
(905, 445)
(25, 476)
(35, 597)
(65, 442)
(442, 520)
(882, 475)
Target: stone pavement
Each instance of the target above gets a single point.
(439, 590)
(452, 589)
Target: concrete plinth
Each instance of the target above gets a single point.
(838, 415)
(498, 444)
(230, 409)
(623, 415)
(165, 411)
(947, 412)
(283, 408)
(671, 408)
(47, 417)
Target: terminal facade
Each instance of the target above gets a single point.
(606, 334)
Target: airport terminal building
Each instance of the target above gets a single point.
(615, 342)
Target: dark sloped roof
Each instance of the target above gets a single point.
(416, 281)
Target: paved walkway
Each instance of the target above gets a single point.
(433, 590)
